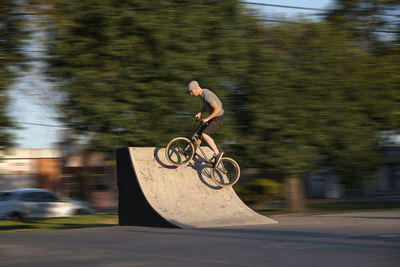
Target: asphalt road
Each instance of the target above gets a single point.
(354, 239)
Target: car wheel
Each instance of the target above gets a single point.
(14, 216)
(80, 212)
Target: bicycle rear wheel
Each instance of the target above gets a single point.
(226, 173)
(179, 151)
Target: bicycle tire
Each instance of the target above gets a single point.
(175, 151)
(227, 172)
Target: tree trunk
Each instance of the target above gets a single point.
(85, 175)
(294, 194)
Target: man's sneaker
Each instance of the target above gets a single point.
(218, 157)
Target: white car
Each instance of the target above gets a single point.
(38, 203)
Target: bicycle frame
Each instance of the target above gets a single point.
(194, 140)
(227, 170)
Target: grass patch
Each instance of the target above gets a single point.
(80, 221)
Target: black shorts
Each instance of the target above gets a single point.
(213, 125)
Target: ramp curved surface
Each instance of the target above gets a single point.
(153, 193)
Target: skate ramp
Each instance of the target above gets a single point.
(154, 193)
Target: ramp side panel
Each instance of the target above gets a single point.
(186, 196)
(133, 208)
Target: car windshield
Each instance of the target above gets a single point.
(39, 197)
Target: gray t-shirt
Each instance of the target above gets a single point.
(207, 98)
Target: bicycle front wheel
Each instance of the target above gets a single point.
(179, 151)
(226, 173)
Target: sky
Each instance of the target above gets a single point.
(28, 107)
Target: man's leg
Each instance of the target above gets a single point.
(212, 126)
(211, 143)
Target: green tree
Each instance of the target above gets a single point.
(11, 42)
(123, 66)
(297, 96)
(371, 22)
(308, 88)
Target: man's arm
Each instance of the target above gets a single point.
(198, 115)
(216, 110)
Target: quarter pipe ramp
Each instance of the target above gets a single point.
(153, 193)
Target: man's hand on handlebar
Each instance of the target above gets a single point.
(205, 121)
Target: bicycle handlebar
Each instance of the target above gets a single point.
(201, 121)
(197, 127)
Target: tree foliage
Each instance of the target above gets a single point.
(11, 42)
(369, 21)
(124, 71)
(297, 96)
(315, 95)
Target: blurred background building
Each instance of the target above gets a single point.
(84, 175)
(386, 181)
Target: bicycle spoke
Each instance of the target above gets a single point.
(226, 173)
(179, 151)
(222, 169)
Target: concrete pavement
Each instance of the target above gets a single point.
(353, 239)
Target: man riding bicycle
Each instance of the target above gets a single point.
(215, 119)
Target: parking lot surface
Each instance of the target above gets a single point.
(352, 239)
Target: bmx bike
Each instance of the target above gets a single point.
(181, 150)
